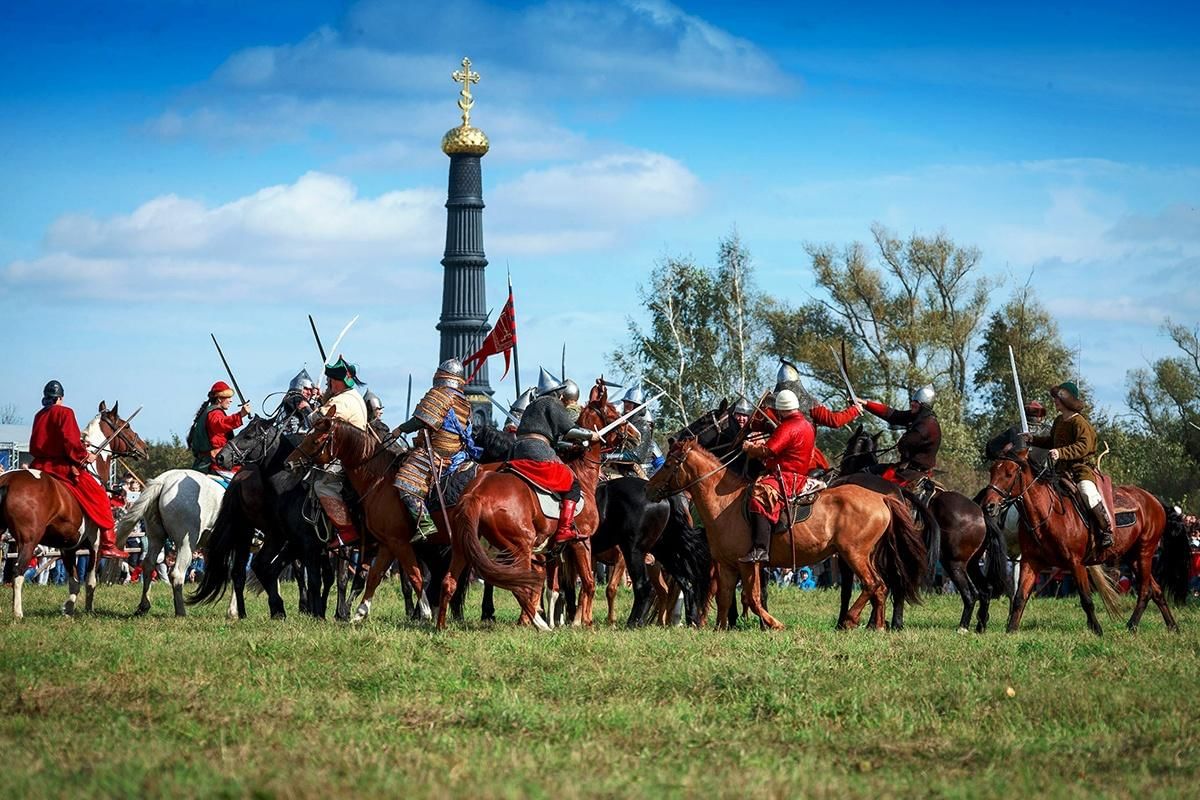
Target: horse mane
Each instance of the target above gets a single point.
(713, 461)
(92, 433)
(365, 445)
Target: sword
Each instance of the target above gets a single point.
(845, 377)
(228, 371)
(507, 414)
(317, 336)
(334, 350)
(627, 415)
(1012, 360)
(117, 431)
(408, 402)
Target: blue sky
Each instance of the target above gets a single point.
(176, 168)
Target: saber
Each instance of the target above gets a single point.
(628, 414)
(1012, 360)
(320, 347)
(408, 402)
(507, 414)
(337, 342)
(117, 431)
(228, 371)
(845, 377)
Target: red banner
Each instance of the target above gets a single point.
(502, 339)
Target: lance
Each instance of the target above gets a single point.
(845, 377)
(1012, 360)
(627, 415)
(228, 371)
(408, 402)
(320, 347)
(117, 431)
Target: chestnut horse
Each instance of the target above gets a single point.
(38, 509)
(1053, 534)
(501, 507)
(872, 533)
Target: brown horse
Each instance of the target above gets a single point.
(872, 533)
(37, 508)
(1053, 534)
(501, 507)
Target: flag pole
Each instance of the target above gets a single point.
(516, 359)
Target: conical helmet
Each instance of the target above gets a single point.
(520, 404)
(743, 406)
(635, 394)
(787, 374)
(547, 383)
(450, 373)
(373, 402)
(302, 381)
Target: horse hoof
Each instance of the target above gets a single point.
(140, 611)
(963, 630)
(279, 615)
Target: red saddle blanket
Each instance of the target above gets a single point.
(552, 476)
(90, 495)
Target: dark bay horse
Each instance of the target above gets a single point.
(501, 507)
(37, 508)
(872, 533)
(1053, 534)
(961, 536)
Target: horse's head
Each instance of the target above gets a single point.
(860, 451)
(252, 444)
(599, 413)
(676, 473)
(127, 443)
(1010, 474)
(317, 447)
(706, 429)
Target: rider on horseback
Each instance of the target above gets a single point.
(640, 450)
(918, 447)
(788, 377)
(443, 415)
(212, 425)
(301, 397)
(546, 423)
(347, 405)
(787, 455)
(57, 448)
(1072, 443)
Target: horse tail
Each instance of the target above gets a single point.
(136, 512)
(999, 581)
(900, 556)
(1105, 587)
(1173, 561)
(933, 534)
(465, 535)
(221, 550)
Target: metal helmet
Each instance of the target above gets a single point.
(302, 381)
(924, 396)
(52, 391)
(450, 373)
(520, 404)
(374, 404)
(635, 394)
(743, 406)
(547, 383)
(787, 374)
(570, 391)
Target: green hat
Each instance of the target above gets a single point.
(342, 370)
(1068, 393)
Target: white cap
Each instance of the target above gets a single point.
(785, 400)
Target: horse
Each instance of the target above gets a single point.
(264, 496)
(959, 536)
(1054, 534)
(502, 507)
(872, 533)
(180, 505)
(36, 508)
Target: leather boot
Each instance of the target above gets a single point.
(566, 523)
(1104, 539)
(108, 545)
(760, 540)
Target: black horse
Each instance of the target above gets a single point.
(960, 537)
(264, 495)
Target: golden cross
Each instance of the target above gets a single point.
(466, 78)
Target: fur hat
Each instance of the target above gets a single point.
(1068, 394)
(220, 390)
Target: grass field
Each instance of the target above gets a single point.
(107, 706)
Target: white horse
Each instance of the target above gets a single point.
(181, 504)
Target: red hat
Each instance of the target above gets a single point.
(220, 389)
(1035, 409)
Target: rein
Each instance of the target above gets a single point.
(1010, 500)
(722, 464)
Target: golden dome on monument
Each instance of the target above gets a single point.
(465, 139)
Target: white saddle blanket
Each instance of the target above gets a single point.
(550, 506)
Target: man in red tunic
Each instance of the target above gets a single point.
(787, 455)
(212, 426)
(57, 448)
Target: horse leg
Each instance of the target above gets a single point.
(1083, 586)
(237, 599)
(93, 574)
(183, 560)
(581, 556)
(487, 611)
(846, 586)
(613, 587)
(24, 556)
(726, 582)
(1147, 586)
(267, 566)
(873, 589)
(383, 560)
(458, 566)
(154, 539)
(966, 591)
(897, 613)
(752, 599)
(978, 579)
(410, 606)
(1029, 572)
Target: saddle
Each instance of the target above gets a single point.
(798, 508)
(1120, 510)
(549, 501)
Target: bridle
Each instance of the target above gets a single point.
(263, 437)
(675, 461)
(123, 436)
(1009, 500)
(324, 453)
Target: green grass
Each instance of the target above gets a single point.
(104, 705)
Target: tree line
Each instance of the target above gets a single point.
(906, 312)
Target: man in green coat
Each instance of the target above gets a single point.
(1072, 443)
